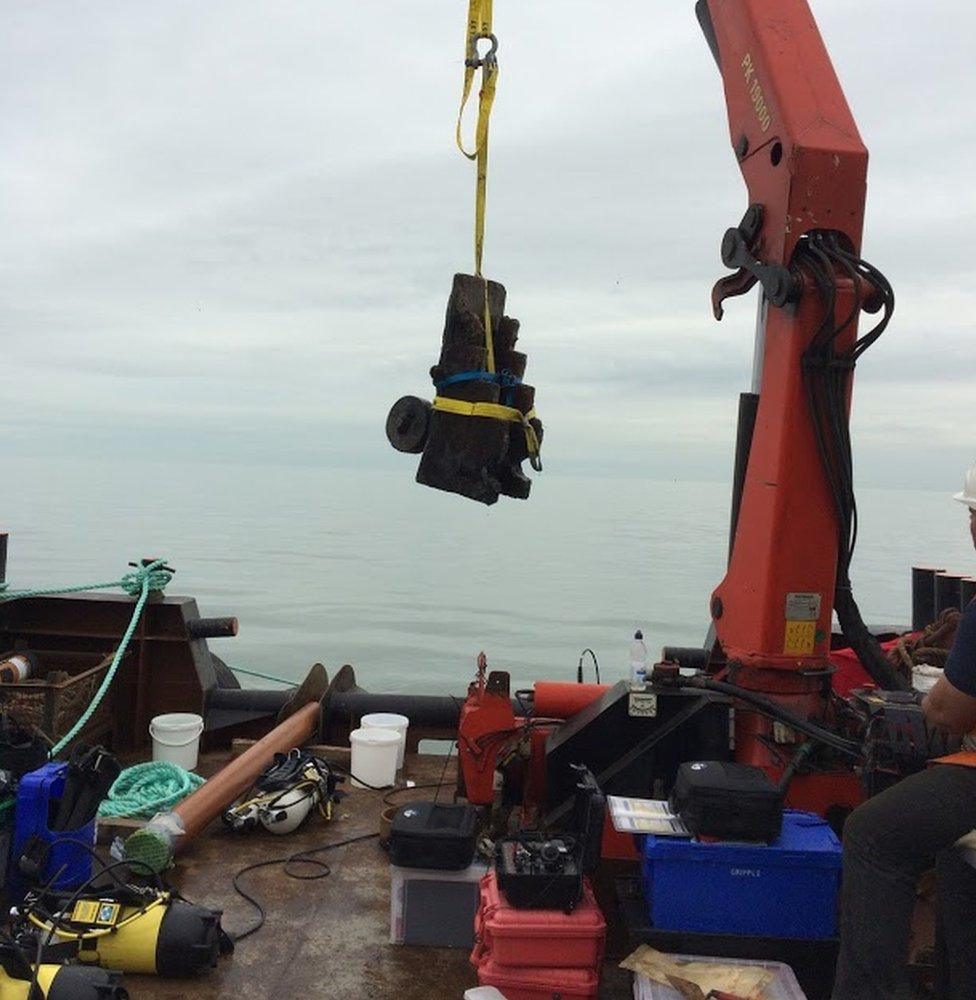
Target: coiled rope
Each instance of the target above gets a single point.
(139, 583)
(145, 789)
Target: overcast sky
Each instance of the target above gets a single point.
(229, 228)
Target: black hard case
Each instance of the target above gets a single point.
(432, 835)
(717, 798)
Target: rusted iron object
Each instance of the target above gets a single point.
(476, 456)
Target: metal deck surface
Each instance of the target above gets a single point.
(322, 939)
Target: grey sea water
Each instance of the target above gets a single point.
(408, 584)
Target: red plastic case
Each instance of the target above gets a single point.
(534, 938)
(539, 984)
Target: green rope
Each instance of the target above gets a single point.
(264, 677)
(139, 583)
(146, 789)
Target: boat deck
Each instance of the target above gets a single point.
(326, 938)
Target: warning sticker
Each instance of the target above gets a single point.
(642, 705)
(98, 912)
(801, 638)
(802, 607)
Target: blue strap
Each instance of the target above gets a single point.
(506, 380)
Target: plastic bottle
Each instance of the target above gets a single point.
(638, 661)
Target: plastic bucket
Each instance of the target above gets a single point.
(389, 720)
(176, 738)
(374, 757)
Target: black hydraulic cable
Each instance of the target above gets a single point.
(795, 764)
(776, 711)
(826, 379)
(320, 870)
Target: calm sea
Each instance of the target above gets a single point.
(408, 584)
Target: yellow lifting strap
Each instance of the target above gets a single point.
(495, 411)
(479, 28)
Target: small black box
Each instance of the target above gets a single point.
(429, 835)
(717, 798)
(537, 874)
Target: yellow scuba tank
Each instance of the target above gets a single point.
(152, 933)
(60, 982)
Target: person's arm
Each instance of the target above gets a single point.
(948, 708)
(951, 704)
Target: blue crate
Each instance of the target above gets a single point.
(67, 857)
(783, 890)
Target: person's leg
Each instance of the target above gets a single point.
(956, 959)
(888, 842)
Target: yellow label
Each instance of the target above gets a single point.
(99, 912)
(801, 638)
(756, 96)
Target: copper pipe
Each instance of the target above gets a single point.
(204, 805)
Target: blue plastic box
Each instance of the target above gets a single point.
(67, 856)
(785, 890)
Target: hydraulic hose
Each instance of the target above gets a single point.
(864, 643)
(776, 711)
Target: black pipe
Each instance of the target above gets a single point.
(947, 593)
(211, 628)
(923, 596)
(424, 710)
(745, 427)
(248, 699)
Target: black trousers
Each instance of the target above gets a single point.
(889, 842)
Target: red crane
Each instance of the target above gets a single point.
(794, 516)
(794, 521)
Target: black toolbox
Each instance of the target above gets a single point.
(717, 798)
(431, 835)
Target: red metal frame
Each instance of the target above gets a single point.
(486, 726)
(804, 163)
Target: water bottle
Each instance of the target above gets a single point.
(638, 661)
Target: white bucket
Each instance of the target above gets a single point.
(389, 720)
(176, 738)
(374, 757)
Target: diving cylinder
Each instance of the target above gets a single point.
(177, 939)
(66, 982)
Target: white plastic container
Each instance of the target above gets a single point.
(483, 993)
(176, 738)
(389, 720)
(374, 757)
(399, 877)
(782, 987)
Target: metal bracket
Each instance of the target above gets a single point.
(490, 58)
(739, 246)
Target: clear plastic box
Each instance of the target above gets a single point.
(783, 986)
(446, 911)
